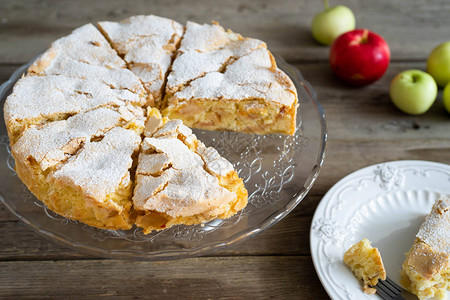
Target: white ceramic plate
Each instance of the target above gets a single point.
(385, 203)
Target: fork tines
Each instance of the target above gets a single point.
(389, 290)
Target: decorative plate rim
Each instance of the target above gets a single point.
(385, 178)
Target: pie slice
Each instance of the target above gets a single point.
(39, 99)
(86, 53)
(94, 185)
(42, 150)
(426, 270)
(220, 80)
(85, 44)
(147, 44)
(180, 181)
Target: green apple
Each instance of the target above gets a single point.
(413, 91)
(331, 23)
(446, 97)
(438, 64)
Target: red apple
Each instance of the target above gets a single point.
(359, 57)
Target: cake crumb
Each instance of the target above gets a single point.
(366, 264)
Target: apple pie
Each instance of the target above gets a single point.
(96, 125)
(40, 99)
(86, 54)
(426, 269)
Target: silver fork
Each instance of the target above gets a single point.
(389, 290)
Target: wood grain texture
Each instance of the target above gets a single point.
(364, 128)
(288, 237)
(259, 277)
(412, 29)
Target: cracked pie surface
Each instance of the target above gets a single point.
(180, 181)
(99, 125)
(147, 45)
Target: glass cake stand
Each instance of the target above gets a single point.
(278, 171)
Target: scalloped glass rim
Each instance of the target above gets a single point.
(308, 100)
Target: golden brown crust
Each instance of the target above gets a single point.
(426, 269)
(100, 215)
(426, 261)
(42, 62)
(152, 220)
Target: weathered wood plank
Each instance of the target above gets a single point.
(259, 277)
(288, 237)
(367, 113)
(6, 215)
(6, 70)
(344, 157)
(28, 27)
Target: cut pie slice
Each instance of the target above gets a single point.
(223, 81)
(39, 99)
(426, 270)
(90, 137)
(147, 44)
(94, 186)
(85, 44)
(86, 53)
(180, 181)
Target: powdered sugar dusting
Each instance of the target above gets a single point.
(100, 167)
(56, 141)
(215, 164)
(46, 96)
(147, 44)
(84, 44)
(205, 37)
(214, 64)
(116, 78)
(247, 78)
(172, 178)
(435, 231)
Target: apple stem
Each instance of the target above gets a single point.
(325, 4)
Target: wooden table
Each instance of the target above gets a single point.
(364, 129)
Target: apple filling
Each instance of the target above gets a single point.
(250, 116)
